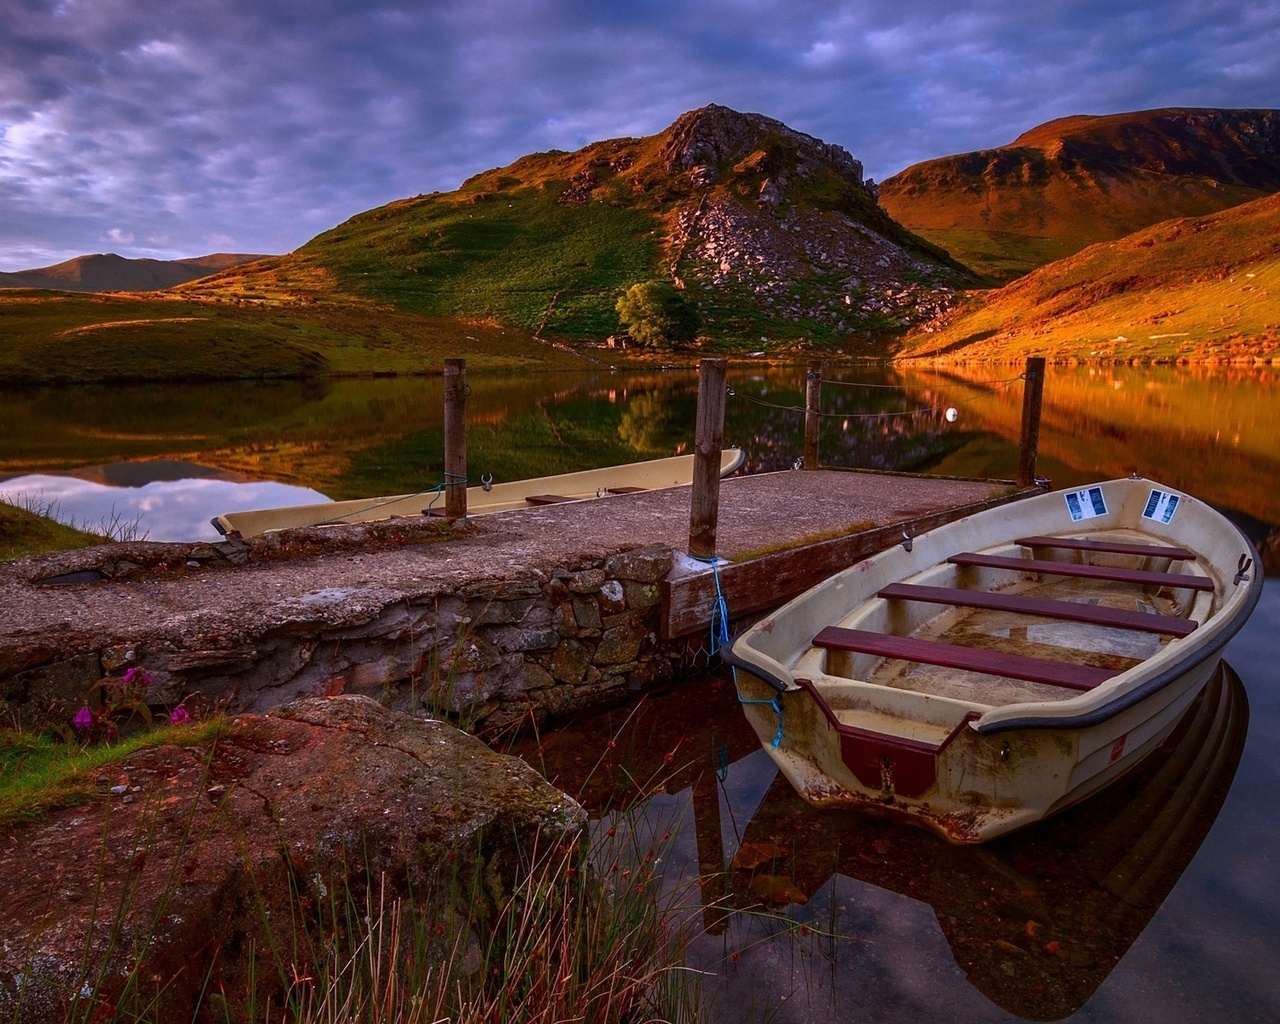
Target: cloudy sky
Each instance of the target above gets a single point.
(172, 128)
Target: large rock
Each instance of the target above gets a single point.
(714, 134)
(197, 858)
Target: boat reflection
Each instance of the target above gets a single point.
(1035, 920)
(1038, 919)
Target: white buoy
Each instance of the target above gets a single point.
(952, 414)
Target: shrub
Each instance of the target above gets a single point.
(655, 313)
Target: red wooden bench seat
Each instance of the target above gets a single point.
(1107, 547)
(974, 659)
(1070, 611)
(1143, 577)
(547, 499)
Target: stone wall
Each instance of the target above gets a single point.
(491, 653)
(494, 653)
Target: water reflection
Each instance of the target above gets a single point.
(359, 438)
(1035, 921)
(1215, 434)
(925, 932)
(159, 501)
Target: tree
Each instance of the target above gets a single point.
(655, 313)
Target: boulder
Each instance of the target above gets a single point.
(200, 867)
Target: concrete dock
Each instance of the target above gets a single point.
(548, 607)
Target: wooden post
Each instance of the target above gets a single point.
(708, 440)
(713, 881)
(812, 414)
(1032, 396)
(455, 438)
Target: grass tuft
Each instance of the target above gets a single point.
(40, 773)
(26, 531)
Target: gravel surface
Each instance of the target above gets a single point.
(765, 510)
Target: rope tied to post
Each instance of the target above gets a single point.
(719, 623)
(719, 629)
(450, 480)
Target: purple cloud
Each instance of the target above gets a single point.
(180, 129)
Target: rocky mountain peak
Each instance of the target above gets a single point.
(785, 222)
(719, 138)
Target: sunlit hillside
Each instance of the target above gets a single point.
(49, 337)
(1197, 288)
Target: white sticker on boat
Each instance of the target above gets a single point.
(1086, 504)
(1161, 505)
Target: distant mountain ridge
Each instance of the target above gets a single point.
(1084, 179)
(770, 231)
(107, 272)
(773, 234)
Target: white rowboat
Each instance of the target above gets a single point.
(483, 500)
(994, 671)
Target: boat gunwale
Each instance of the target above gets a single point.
(355, 511)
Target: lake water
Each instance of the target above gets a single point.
(1157, 901)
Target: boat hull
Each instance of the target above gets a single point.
(487, 499)
(950, 748)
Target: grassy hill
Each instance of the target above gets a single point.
(71, 338)
(772, 234)
(471, 255)
(770, 231)
(107, 272)
(1203, 288)
(1080, 180)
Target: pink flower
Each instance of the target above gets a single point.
(179, 716)
(139, 675)
(83, 719)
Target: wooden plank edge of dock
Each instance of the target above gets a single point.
(689, 593)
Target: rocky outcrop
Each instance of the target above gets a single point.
(785, 222)
(192, 879)
(869, 280)
(639, 209)
(714, 135)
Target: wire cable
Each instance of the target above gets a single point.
(873, 415)
(917, 387)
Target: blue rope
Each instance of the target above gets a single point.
(439, 489)
(719, 614)
(773, 702)
(720, 638)
(719, 610)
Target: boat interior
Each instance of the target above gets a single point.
(1041, 619)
